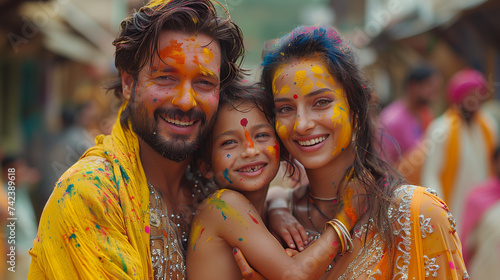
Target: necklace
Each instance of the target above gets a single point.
(334, 199)
(167, 248)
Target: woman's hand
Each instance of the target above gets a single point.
(281, 223)
(284, 226)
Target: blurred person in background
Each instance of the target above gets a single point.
(26, 178)
(480, 232)
(460, 142)
(64, 150)
(405, 120)
(173, 58)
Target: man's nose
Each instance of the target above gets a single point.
(186, 99)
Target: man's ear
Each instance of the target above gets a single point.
(205, 169)
(127, 84)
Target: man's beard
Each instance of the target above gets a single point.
(178, 147)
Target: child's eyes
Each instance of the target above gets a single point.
(228, 142)
(262, 135)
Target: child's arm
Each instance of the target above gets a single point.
(239, 224)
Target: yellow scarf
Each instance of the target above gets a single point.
(96, 223)
(452, 153)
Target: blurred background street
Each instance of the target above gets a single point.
(56, 56)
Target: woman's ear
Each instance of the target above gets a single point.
(127, 84)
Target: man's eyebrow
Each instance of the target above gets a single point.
(208, 73)
(164, 68)
(312, 93)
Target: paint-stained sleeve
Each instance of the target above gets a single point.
(81, 233)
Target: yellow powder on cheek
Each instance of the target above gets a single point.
(281, 130)
(271, 150)
(341, 117)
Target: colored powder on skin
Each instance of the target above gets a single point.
(349, 210)
(281, 130)
(341, 117)
(253, 218)
(206, 72)
(192, 95)
(320, 84)
(228, 156)
(174, 51)
(249, 139)
(207, 55)
(295, 96)
(244, 122)
(317, 69)
(196, 232)
(240, 239)
(278, 73)
(304, 84)
(226, 175)
(285, 89)
(149, 84)
(227, 211)
(272, 150)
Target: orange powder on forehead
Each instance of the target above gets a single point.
(174, 51)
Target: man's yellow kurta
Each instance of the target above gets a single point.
(96, 222)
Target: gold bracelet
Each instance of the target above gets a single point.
(346, 234)
(339, 233)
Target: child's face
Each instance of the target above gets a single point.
(245, 152)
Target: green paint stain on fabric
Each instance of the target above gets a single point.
(124, 174)
(69, 189)
(72, 236)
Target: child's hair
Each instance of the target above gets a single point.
(234, 95)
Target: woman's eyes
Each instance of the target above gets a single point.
(284, 109)
(323, 102)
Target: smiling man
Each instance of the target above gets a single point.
(124, 210)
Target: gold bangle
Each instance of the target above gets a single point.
(345, 233)
(340, 235)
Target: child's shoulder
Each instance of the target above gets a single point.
(225, 199)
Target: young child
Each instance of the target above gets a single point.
(244, 156)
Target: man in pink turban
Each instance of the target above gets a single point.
(459, 143)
